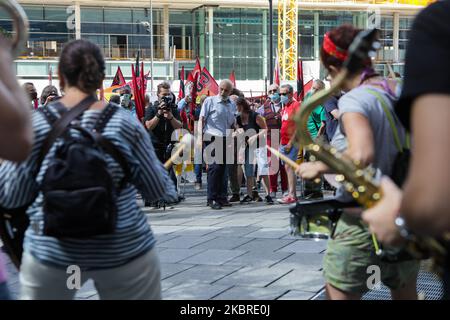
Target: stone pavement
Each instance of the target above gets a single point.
(242, 252)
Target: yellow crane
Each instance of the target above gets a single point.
(288, 38)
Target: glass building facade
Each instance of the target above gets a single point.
(224, 39)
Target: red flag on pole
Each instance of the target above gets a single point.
(233, 78)
(118, 80)
(137, 95)
(181, 93)
(300, 89)
(206, 84)
(276, 71)
(197, 70)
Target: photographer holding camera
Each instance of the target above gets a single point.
(161, 119)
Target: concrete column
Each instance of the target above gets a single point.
(183, 37)
(211, 39)
(166, 43)
(77, 21)
(201, 37)
(316, 36)
(396, 36)
(265, 40)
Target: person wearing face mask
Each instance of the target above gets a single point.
(287, 133)
(271, 113)
(161, 119)
(217, 117)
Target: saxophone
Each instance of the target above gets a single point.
(356, 179)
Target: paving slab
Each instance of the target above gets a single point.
(296, 295)
(235, 231)
(185, 242)
(269, 233)
(310, 281)
(170, 269)
(253, 277)
(176, 255)
(250, 293)
(259, 258)
(265, 245)
(188, 291)
(310, 261)
(214, 257)
(226, 243)
(306, 246)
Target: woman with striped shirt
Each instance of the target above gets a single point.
(123, 265)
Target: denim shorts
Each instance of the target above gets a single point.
(292, 154)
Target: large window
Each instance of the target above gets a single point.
(50, 28)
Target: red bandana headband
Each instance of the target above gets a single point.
(332, 49)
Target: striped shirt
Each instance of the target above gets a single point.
(133, 236)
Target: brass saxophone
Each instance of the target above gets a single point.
(21, 25)
(357, 180)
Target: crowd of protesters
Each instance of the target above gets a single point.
(365, 122)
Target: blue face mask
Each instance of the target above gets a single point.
(275, 97)
(284, 99)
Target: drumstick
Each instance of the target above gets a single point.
(277, 153)
(187, 140)
(293, 164)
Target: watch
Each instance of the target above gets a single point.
(401, 226)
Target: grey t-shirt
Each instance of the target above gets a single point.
(361, 101)
(219, 115)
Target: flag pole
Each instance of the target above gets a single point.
(151, 47)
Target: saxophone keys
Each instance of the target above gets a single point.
(361, 189)
(340, 178)
(376, 196)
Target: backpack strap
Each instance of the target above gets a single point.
(107, 145)
(62, 123)
(390, 118)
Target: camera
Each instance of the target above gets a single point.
(167, 102)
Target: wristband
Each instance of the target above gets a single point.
(401, 226)
(159, 116)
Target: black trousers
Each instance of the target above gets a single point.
(163, 156)
(216, 174)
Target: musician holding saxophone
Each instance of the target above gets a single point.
(423, 206)
(364, 112)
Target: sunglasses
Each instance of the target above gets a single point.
(272, 91)
(284, 94)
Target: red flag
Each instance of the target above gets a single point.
(118, 80)
(137, 95)
(276, 71)
(181, 93)
(197, 70)
(206, 84)
(233, 78)
(300, 90)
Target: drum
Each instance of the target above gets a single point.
(317, 226)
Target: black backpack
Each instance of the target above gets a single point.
(78, 189)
